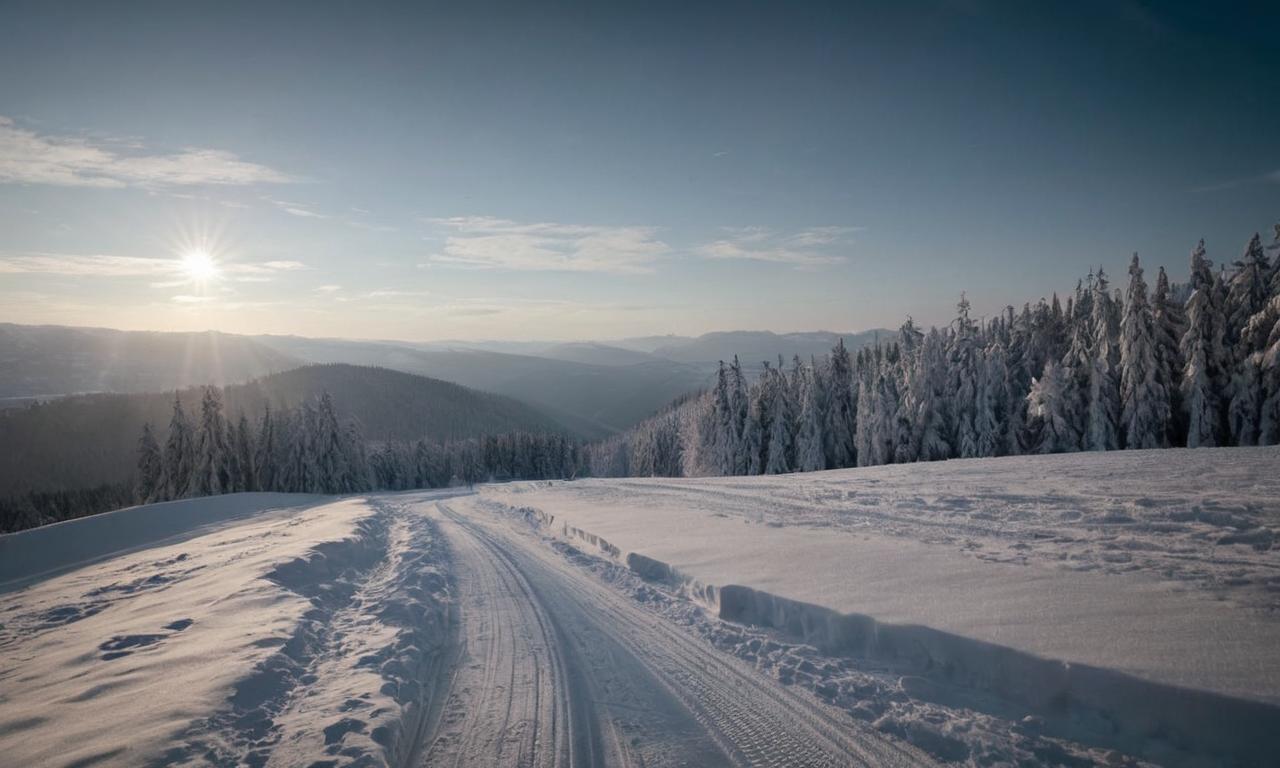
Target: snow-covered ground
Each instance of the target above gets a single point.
(1089, 609)
(258, 639)
(1129, 599)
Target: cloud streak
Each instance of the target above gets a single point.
(27, 157)
(482, 242)
(807, 249)
(103, 265)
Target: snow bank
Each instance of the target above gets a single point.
(111, 662)
(1128, 591)
(28, 555)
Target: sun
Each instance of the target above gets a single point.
(199, 265)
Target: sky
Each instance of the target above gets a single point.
(597, 170)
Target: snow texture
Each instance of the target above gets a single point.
(1128, 599)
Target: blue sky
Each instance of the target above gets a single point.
(426, 171)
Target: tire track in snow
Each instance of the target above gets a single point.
(648, 693)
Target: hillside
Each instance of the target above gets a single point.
(58, 360)
(87, 440)
(596, 399)
(752, 347)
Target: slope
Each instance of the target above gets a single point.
(88, 440)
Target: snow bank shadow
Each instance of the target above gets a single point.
(1093, 706)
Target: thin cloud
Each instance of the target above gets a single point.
(295, 209)
(807, 248)
(483, 242)
(328, 288)
(104, 265)
(27, 157)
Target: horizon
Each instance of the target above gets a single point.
(429, 174)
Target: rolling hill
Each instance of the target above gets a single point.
(37, 360)
(87, 440)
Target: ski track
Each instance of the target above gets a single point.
(563, 670)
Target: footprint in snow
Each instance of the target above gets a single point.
(123, 645)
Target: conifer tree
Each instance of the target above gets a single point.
(212, 473)
(1202, 354)
(179, 454)
(840, 427)
(1145, 408)
(150, 483)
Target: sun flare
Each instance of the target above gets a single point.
(199, 266)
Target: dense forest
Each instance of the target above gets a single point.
(307, 449)
(1191, 365)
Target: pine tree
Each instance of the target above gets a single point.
(150, 483)
(1203, 355)
(840, 427)
(810, 455)
(212, 471)
(244, 476)
(990, 405)
(1145, 408)
(266, 458)
(179, 454)
(780, 459)
(1048, 411)
(962, 358)
(1169, 325)
(1102, 428)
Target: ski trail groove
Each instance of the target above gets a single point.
(560, 669)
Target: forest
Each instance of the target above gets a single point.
(1194, 365)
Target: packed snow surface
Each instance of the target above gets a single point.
(1156, 563)
(1088, 609)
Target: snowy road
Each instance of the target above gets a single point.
(559, 669)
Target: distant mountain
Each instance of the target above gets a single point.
(593, 400)
(594, 353)
(649, 343)
(56, 360)
(87, 440)
(752, 347)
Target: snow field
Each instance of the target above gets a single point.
(993, 577)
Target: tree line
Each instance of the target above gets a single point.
(1192, 365)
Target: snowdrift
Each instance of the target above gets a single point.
(28, 555)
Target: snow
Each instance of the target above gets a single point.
(193, 649)
(1147, 579)
(1070, 608)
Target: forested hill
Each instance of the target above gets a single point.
(87, 440)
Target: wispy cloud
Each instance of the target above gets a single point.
(328, 288)
(807, 248)
(95, 265)
(295, 209)
(481, 242)
(104, 265)
(1263, 178)
(27, 157)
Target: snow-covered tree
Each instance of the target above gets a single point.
(179, 454)
(150, 481)
(781, 447)
(1145, 409)
(1048, 411)
(1102, 431)
(840, 427)
(1203, 355)
(810, 455)
(963, 359)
